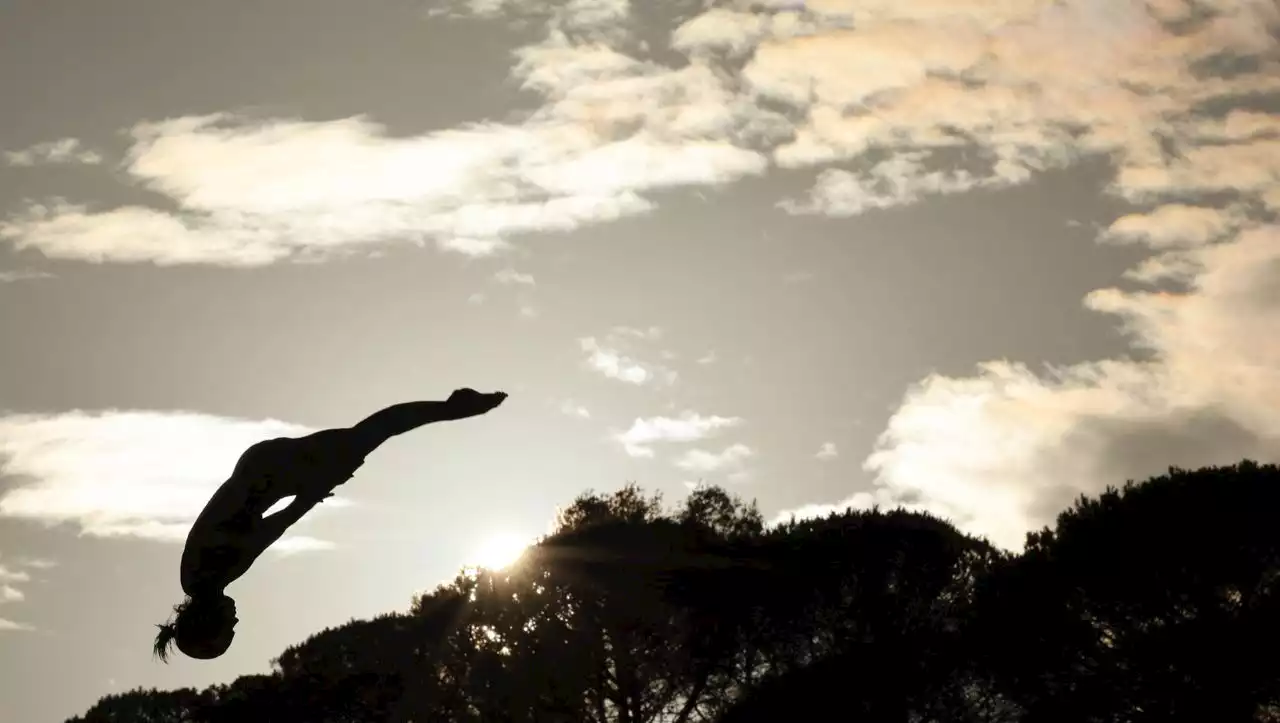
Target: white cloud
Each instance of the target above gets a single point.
(1251, 167)
(136, 234)
(1174, 226)
(890, 89)
(1022, 84)
(12, 574)
(582, 15)
(844, 68)
(1031, 69)
(223, 164)
(1237, 125)
(1005, 450)
(1271, 199)
(123, 473)
(36, 563)
(896, 181)
(652, 333)
(252, 192)
(511, 276)
(828, 450)
(291, 545)
(690, 426)
(574, 409)
(612, 358)
(64, 151)
(230, 238)
(7, 277)
(678, 118)
(730, 458)
(719, 30)
(475, 247)
(612, 364)
(640, 163)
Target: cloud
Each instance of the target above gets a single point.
(12, 574)
(612, 364)
(688, 427)
(1238, 125)
(511, 276)
(7, 277)
(1024, 85)
(574, 409)
(1016, 86)
(828, 450)
(896, 181)
(720, 30)
(136, 234)
(612, 358)
(474, 247)
(291, 545)
(652, 333)
(1174, 226)
(64, 151)
(251, 192)
(122, 473)
(730, 458)
(1251, 167)
(1002, 451)
(36, 563)
(244, 191)
(578, 14)
(912, 100)
(1271, 200)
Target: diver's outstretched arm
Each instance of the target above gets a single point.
(400, 418)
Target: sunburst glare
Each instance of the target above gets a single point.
(499, 551)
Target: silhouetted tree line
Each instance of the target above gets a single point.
(1159, 601)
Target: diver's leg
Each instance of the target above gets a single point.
(325, 459)
(400, 418)
(331, 456)
(314, 464)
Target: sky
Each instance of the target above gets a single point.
(971, 257)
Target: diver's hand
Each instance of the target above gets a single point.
(467, 402)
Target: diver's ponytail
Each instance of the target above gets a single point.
(168, 633)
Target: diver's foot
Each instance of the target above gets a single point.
(469, 403)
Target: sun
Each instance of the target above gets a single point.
(499, 551)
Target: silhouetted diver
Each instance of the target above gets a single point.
(231, 532)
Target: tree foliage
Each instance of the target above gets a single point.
(1157, 601)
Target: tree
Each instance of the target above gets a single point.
(1158, 601)
(864, 613)
(147, 706)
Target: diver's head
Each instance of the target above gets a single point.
(203, 627)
